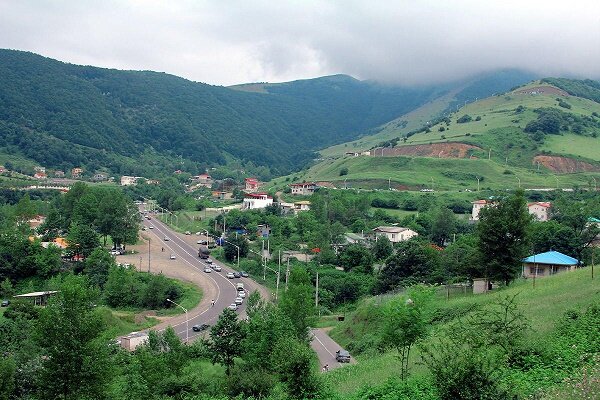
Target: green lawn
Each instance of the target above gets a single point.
(583, 146)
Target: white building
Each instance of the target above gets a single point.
(253, 201)
(129, 180)
(305, 189)
(540, 210)
(477, 206)
(395, 233)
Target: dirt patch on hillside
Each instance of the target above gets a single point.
(564, 165)
(437, 150)
(547, 90)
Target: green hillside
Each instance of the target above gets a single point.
(545, 307)
(531, 136)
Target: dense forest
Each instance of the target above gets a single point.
(138, 122)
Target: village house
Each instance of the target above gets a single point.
(222, 195)
(548, 263)
(263, 230)
(395, 234)
(203, 180)
(540, 210)
(303, 205)
(129, 180)
(251, 185)
(59, 174)
(40, 169)
(76, 172)
(152, 181)
(254, 201)
(36, 221)
(40, 175)
(99, 177)
(303, 189)
(478, 205)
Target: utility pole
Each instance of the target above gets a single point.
(148, 255)
(278, 275)
(478, 183)
(317, 292)
(264, 262)
(287, 272)
(490, 154)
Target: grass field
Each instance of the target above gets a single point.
(575, 145)
(543, 305)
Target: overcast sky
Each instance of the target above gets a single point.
(226, 42)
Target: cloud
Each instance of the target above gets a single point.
(405, 42)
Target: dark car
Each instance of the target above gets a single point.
(237, 275)
(244, 274)
(200, 328)
(342, 356)
(5, 303)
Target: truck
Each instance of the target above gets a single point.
(203, 252)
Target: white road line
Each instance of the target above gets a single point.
(322, 344)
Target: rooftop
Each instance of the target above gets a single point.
(551, 257)
(390, 229)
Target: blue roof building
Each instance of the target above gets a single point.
(548, 263)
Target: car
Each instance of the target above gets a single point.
(244, 274)
(166, 239)
(237, 275)
(242, 294)
(216, 268)
(230, 275)
(144, 228)
(115, 252)
(239, 301)
(173, 257)
(5, 303)
(208, 261)
(198, 233)
(207, 270)
(233, 306)
(148, 217)
(187, 233)
(202, 242)
(239, 287)
(151, 227)
(200, 328)
(342, 356)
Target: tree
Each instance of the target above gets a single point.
(25, 209)
(230, 248)
(462, 259)
(357, 258)
(82, 239)
(503, 240)
(76, 365)
(293, 362)
(443, 226)
(225, 337)
(405, 322)
(297, 302)
(576, 216)
(382, 248)
(97, 266)
(414, 261)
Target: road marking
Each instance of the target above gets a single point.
(322, 344)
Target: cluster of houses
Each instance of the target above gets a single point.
(134, 180)
(539, 209)
(76, 173)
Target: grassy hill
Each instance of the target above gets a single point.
(503, 146)
(544, 306)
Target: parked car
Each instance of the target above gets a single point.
(5, 303)
(242, 294)
(216, 268)
(233, 307)
(173, 257)
(208, 261)
(244, 274)
(342, 356)
(151, 227)
(239, 287)
(239, 301)
(237, 275)
(200, 328)
(207, 270)
(230, 275)
(187, 233)
(166, 238)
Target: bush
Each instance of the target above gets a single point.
(478, 118)
(343, 171)
(464, 119)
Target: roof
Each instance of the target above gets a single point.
(390, 229)
(551, 257)
(592, 219)
(37, 294)
(303, 202)
(480, 202)
(303, 184)
(251, 180)
(541, 204)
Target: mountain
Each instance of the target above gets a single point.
(536, 135)
(141, 122)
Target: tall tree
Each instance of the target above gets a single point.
(575, 215)
(297, 302)
(357, 258)
(97, 266)
(76, 365)
(503, 239)
(82, 239)
(443, 225)
(225, 337)
(382, 248)
(230, 248)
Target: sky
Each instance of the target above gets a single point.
(225, 42)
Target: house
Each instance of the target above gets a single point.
(304, 189)
(39, 298)
(203, 180)
(2, 169)
(355, 238)
(263, 230)
(129, 180)
(222, 195)
(133, 340)
(152, 181)
(253, 201)
(36, 221)
(540, 210)
(76, 172)
(59, 174)
(99, 177)
(40, 169)
(548, 263)
(394, 233)
(301, 206)
(40, 175)
(251, 185)
(478, 205)
(178, 172)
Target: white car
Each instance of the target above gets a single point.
(166, 238)
(151, 227)
(242, 294)
(239, 301)
(233, 307)
(207, 270)
(216, 268)
(230, 275)
(208, 261)
(173, 257)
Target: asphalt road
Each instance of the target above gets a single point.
(223, 289)
(325, 347)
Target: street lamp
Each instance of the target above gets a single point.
(187, 329)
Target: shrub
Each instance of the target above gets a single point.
(343, 171)
(464, 119)
(478, 118)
